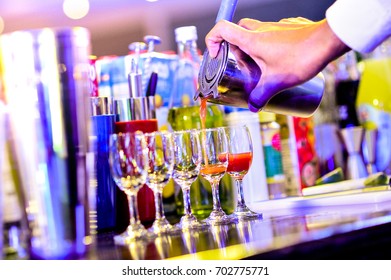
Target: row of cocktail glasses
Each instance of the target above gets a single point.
(154, 158)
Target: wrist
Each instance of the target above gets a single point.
(330, 46)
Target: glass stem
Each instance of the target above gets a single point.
(159, 205)
(133, 212)
(186, 201)
(241, 205)
(216, 198)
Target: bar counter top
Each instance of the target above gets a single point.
(350, 225)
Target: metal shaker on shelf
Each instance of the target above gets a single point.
(369, 149)
(228, 79)
(46, 87)
(352, 138)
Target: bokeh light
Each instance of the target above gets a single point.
(76, 9)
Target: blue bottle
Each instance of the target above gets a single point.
(103, 121)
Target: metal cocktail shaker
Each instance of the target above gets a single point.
(229, 78)
(46, 87)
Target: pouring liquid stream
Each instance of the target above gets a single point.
(203, 126)
(208, 169)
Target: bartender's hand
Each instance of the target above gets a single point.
(288, 52)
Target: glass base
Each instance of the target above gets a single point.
(188, 222)
(133, 232)
(218, 218)
(163, 226)
(245, 215)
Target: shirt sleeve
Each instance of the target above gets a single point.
(360, 24)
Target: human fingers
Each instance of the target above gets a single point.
(296, 20)
(224, 31)
(250, 24)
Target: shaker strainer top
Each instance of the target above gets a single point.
(212, 69)
(211, 72)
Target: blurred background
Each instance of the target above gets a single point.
(115, 23)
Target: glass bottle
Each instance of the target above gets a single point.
(186, 72)
(374, 101)
(347, 80)
(299, 158)
(184, 113)
(271, 143)
(326, 123)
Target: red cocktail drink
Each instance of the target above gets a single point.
(239, 164)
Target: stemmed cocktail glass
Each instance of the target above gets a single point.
(129, 167)
(214, 165)
(239, 162)
(187, 164)
(160, 148)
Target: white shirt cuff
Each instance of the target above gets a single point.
(361, 24)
